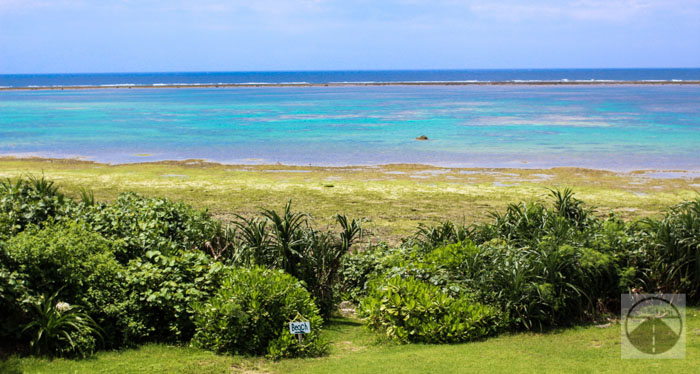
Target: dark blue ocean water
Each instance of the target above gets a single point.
(25, 80)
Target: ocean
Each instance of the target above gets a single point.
(319, 77)
(614, 127)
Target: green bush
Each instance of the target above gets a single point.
(250, 312)
(66, 257)
(672, 251)
(14, 299)
(288, 241)
(30, 201)
(525, 224)
(357, 270)
(538, 287)
(149, 224)
(160, 292)
(408, 310)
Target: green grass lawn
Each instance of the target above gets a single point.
(587, 349)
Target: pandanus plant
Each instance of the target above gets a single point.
(57, 325)
(288, 241)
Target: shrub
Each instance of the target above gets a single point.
(160, 292)
(408, 310)
(149, 224)
(287, 241)
(358, 269)
(66, 257)
(14, 298)
(525, 224)
(672, 249)
(441, 234)
(548, 285)
(250, 312)
(30, 201)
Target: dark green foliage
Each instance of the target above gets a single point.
(139, 268)
(66, 257)
(87, 197)
(160, 292)
(250, 313)
(146, 224)
(60, 329)
(14, 300)
(526, 224)
(541, 266)
(408, 310)
(672, 250)
(31, 200)
(441, 234)
(288, 242)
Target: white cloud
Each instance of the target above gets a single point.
(587, 10)
(8, 6)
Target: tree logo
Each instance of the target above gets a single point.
(653, 326)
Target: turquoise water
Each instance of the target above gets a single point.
(613, 127)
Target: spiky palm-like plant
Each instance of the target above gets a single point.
(57, 326)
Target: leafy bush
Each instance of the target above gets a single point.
(14, 298)
(160, 291)
(408, 310)
(544, 286)
(358, 269)
(149, 224)
(70, 258)
(60, 329)
(30, 201)
(250, 312)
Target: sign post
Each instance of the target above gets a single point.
(299, 329)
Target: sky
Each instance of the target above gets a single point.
(71, 36)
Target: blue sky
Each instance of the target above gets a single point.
(46, 36)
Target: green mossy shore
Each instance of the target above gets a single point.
(395, 198)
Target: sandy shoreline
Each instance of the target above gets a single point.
(358, 84)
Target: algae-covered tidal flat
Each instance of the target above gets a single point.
(393, 198)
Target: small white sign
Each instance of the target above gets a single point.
(300, 327)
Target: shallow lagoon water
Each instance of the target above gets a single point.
(615, 127)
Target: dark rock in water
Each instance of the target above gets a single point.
(422, 137)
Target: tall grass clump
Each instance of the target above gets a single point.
(289, 242)
(672, 250)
